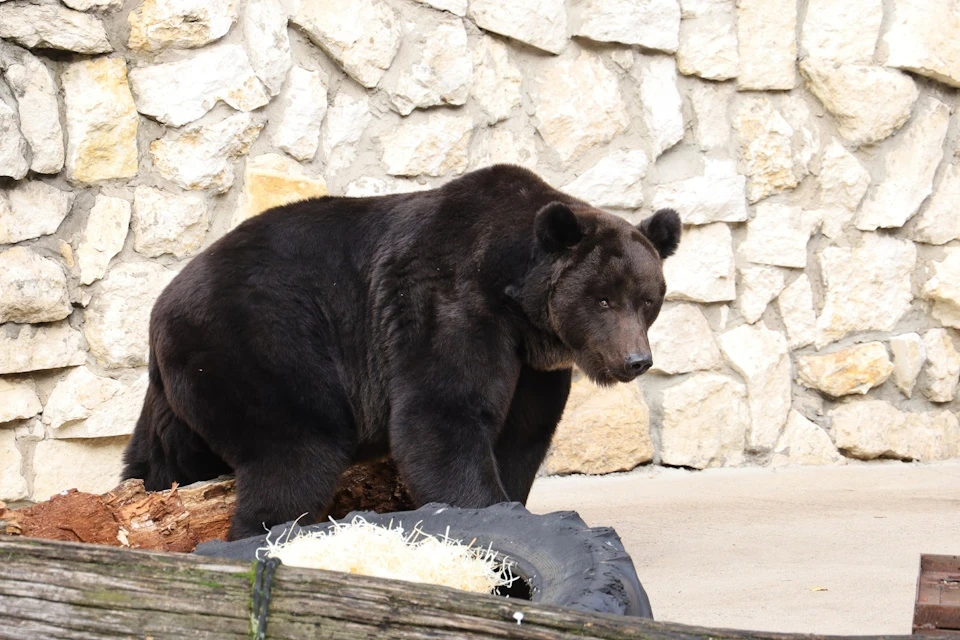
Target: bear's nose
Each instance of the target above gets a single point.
(638, 363)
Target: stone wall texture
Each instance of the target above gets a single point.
(810, 147)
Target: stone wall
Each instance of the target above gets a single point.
(809, 146)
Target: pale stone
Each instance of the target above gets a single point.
(716, 196)
(32, 288)
(165, 222)
(603, 430)
(176, 93)
(766, 148)
(270, 181)
(95, 466)
(580, 106)
(26, 347)
(442, 72)
(767, 38)
(909, 354)
(499, 145)
(456, 7)
(710, 102)
(702, 268)
(101, 120)
(13, 146)
(497, 80)
(804, 443)
(910, 167)
(942, 372)
(938, 222)
(705, 422)
(842, 31)
(806, 133)
(362, 40)
(436, 145)
(758, 286)
(943, 288)
(708, 39)
(855, 369)
(32, 209)
(18, 400)
(118, 318)
(869, 429)
(652, 24)
(869, 103)
(12, 484)
(867, 288)
(796, 308)
(662, 105)
(103, 237)
(681, 341)
(777, 235)
(77, 395)
(539, 23)
(368, 187)
(343, 128)
(843, 182)
(31, 430)
(202, 156)
(94, 5)
(303, 105)
(266, 41)
(116, 416)
(51, 26)
(34, 88)
(761, 357)
(179, 24)
(623, 58)
(615, 181)
(922, 37)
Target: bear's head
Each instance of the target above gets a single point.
(606, 285)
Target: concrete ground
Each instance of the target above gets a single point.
(832, 550)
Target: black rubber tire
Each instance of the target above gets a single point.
(565, 562)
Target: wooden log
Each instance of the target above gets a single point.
(182, 517)
(69, 590)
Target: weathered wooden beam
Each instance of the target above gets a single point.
(68, 590)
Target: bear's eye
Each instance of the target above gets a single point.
(647, 303)
(605, 303)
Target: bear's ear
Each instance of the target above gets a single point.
(557, 227)
(663, 231)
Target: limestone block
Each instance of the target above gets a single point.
(103, 237)
(855, 369)
(95, 466)
(938, 222)
(366, 187)
(118, 318)
(497, 80)
(442, 71)
(165, 222)
(842, 182)
(652, 24)
(767, 37)
(435, 146)
(760, 356)
(499, 145)
(758, 286)
(179, 92)
(710, 102)
(303, 105)
(13, 146)
(363, 40)
(705, 422)
(93, 5)
(77, 396)
(909, 354)
(32, 288)
(922, 37)
(101, 120)
(12, 484)
(456, 7)
(716, 196)
(842, 31)
(116, 416)
(603, 430)
(869, 103)
(910, 166)
(867, 288)
(766, 148)
(26, 347)
(266, 42)
(777, 235)
(796, 308)
(708, 39)
(681, 341)
(615, 181)
(347, 119)
(51, 26)
(271, 180)
(869, 429)
(942, 371)
(18, 400)
(32, 209)
(943, 288)
(184, 24)
(804, 443)
(702, 268)
(539, 23)
(203, 155)
(662, 105)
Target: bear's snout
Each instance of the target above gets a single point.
(638, 363)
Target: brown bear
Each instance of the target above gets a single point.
(438, 327)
